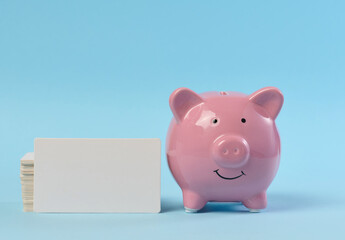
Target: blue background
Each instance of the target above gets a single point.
(105, 69)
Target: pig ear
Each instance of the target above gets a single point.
(270, 98)
(182, 100)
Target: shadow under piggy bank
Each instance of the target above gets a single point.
(277, 202)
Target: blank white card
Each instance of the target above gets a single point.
(97, 175)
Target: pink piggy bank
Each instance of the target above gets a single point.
(224, 146)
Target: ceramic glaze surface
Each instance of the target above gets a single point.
(224, 146)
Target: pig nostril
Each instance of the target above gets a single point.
(225, 151)
(236, 151)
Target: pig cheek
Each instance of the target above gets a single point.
(263, 139)
(196, 157)
(263, 164)
(263, 144)
(260, 172)
(261, 133)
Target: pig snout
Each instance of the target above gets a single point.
(230, 151)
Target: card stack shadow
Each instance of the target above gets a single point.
(27, 181)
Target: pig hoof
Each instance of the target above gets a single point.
(190, 210)
(254, 210)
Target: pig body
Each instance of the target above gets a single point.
(224, 146)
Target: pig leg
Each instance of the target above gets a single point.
(192, 201)
(256, 202)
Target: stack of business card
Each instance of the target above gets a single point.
(27, 181)
(92, 176)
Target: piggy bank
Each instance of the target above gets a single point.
(224, 146)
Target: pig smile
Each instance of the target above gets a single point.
(216, 171)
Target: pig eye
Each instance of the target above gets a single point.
(215, 120)
(243, 120)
